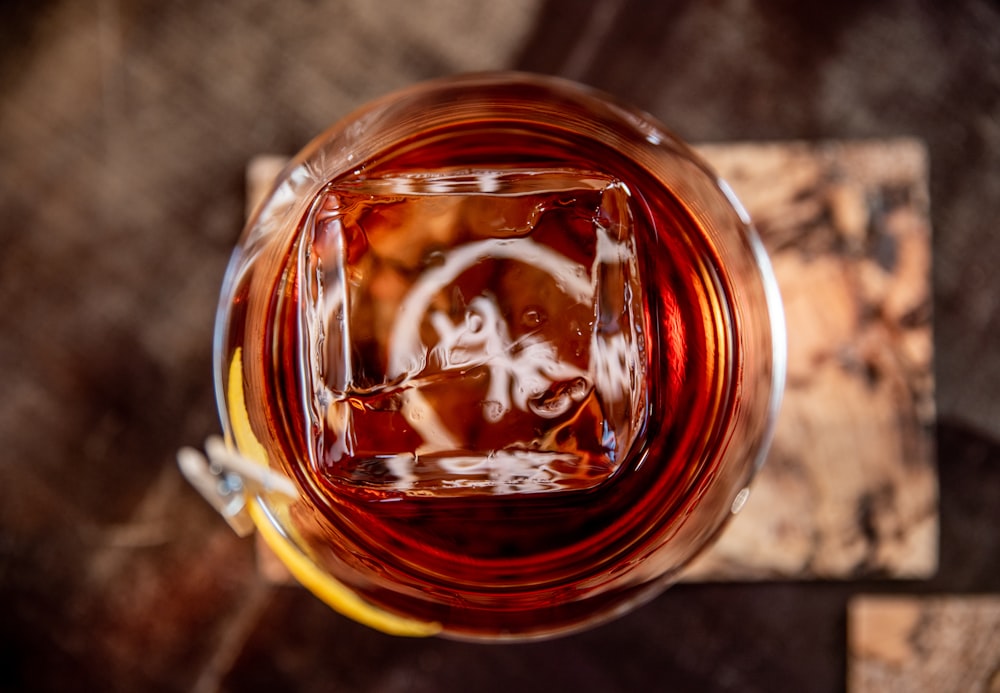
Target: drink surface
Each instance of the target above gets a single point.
(499, 367)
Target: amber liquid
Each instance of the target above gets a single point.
(500, 384)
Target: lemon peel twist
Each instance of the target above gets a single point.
(332, 592)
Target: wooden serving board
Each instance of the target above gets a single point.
(850, 487)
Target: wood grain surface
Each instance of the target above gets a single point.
(928, 644)
(850, 485)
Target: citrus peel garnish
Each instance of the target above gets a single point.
(239, 483)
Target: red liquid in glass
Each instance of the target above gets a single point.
(499, 384)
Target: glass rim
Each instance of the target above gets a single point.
(303, 173)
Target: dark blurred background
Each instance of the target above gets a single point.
(124, 131)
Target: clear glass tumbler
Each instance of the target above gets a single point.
(517, 349)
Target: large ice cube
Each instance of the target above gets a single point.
(472, 332)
